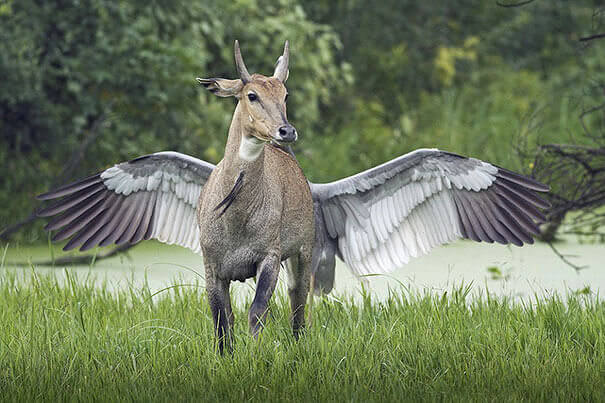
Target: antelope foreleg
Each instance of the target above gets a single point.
(311, 292)
(269, 270)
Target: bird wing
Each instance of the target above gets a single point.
(153, 196)
(382, 217)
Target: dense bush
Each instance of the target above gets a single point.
(368, 81)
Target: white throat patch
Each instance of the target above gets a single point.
(250, 148)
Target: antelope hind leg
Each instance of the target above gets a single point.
(299, 269)
(269, 270)
(219, 301)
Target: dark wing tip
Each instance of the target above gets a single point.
(523, 180)
(71, 187)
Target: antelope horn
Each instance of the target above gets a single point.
(281, 69)
(241, 67)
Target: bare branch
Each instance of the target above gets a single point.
(11, 229)
(564, 258)
(592, 37)
(78, 155)
(78, 260)
(522, 3)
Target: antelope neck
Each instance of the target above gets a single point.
(250, 148)
(243, 153)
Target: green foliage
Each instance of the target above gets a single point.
(469, 77)
(497, 274)
(124, 71)
(368, 82)
(76, 340)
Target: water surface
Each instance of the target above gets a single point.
(532, 270)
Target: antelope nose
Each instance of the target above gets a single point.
(287, 133)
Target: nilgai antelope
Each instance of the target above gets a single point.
(256, 209)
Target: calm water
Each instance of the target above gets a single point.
(524, 272)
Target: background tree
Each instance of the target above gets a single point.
(113, 80)
(576, 171)
(87, 83)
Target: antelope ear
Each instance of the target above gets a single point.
(221, 86)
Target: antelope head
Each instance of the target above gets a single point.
(261, 101)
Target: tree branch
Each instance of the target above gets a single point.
(592, 37)
(522, 3)
(11, 229)
(78, 155)
(78, 260)
(564, 258)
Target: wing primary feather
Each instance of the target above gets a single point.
(499, 232)
(509, 220)
(105, 225)
(82, 236)
(466, 223)
(133, 225)
(474, 218)
(111, 229)
(522, 180)
(69, 201)
(461, 222)
(519, 203)
(508, 227)
(125, 221)
(75, 212)
(519, 215)
(79, 223)
(71, 188)
(526, 195)
(485, 223)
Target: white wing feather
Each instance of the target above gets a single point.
(168, 183)
(383, 217)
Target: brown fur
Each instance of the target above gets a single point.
(270, 219)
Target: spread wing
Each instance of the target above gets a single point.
(153, 196)
(382, 217)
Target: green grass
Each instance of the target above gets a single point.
(76, 340)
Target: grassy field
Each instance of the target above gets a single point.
(76, 340)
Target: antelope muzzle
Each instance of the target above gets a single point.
(286, 134)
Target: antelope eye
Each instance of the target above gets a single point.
(252, 97)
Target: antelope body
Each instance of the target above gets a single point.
(267, 212)
(255, 209)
